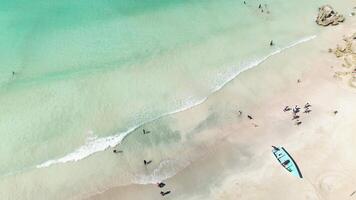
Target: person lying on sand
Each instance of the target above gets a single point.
(249, 117)
(116, 151)
(165, 193)
(298, 123)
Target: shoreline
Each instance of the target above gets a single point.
(176, 180)
(102, 144)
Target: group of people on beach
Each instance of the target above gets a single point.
(263, 8)
(296, 110)
(161, 185)
(249, 117)
(260, 7)
(147, 162)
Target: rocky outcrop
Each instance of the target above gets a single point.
(346, 52)
(327, 16)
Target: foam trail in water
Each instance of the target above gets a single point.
(101, 144)
(92, 145)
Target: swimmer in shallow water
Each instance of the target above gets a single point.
(271, 43)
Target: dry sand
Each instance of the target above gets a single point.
(238, 163)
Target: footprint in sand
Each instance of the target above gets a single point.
(330, 182)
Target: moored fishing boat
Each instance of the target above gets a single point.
(287, 161)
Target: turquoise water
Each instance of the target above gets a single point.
(95, 69)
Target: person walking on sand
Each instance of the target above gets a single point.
(307, 111)
(271, 43)
(287, 108)
(307, 105)
(145, 162)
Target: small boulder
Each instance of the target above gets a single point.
(327, 16)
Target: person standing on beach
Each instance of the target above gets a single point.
(161, 184)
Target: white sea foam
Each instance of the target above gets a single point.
(166, 169)
(92, 145)
(100, 144)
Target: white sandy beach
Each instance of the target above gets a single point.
(237, 162)
(102, 100)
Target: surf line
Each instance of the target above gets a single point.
(101, 144)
